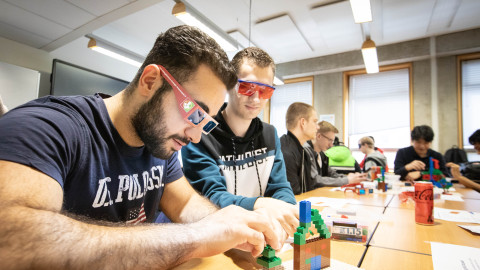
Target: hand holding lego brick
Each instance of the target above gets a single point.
(286, 214)
(415, 165)
(356, 177)
(412, 176)
(235, 227)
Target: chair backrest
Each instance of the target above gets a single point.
(456, 155)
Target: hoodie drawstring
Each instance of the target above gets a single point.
(235, 166)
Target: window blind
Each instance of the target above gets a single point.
(470, 99)
(379, 106)
(285, 95)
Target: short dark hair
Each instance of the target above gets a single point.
(422, 132)
(297, 111)
(181, 50)
(255, 55)
(475, 137)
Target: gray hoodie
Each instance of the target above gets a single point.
(375, 159)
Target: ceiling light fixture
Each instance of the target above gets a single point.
(190, 16)
(362, 11)
(114, 51)
(369, 52)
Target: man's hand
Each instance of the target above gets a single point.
(286, 214)
(234, 226)
(415, 165)
(356, 177)
(454, 169)
(412, 176)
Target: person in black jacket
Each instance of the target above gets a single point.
(301, 121)
(411, 161)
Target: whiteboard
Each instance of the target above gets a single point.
(18, 85)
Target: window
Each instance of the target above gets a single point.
(469, 97)
(295, 90)
(378, 105)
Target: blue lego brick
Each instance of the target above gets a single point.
(305, 212)
(361, 192)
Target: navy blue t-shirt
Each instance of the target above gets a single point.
(73, 140)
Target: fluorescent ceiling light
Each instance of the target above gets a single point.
(190, 16)
(277, 81)
(113, 51)
(369, 52)
(361, 10)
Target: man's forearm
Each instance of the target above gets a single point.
(197, 208)
(40, 239)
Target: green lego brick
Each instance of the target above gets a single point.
(269, 263)
(364, 231)
(307, 261)
(302, 230)
(299, 238)
(305, 225)
(268, 252)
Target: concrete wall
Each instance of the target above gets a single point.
(434, 79)
(15, 53)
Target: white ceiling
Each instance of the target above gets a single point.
(289, 30)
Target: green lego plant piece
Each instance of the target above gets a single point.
(299, 238)
(268, 252)
(269, 263)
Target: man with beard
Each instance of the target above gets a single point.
(77, 172)
(247, 151)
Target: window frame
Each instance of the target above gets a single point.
(460, 59)
(346, 92)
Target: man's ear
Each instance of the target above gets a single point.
(150, 81)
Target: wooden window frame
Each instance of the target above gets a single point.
(460, 59)
(346, 91)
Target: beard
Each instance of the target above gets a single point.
(150, 126)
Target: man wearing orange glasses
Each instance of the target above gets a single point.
(247, 150)
(77, 172)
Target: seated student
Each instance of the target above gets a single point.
(373, 157)
(362, 164)
(241, 162)
(411, 161)
(474, 139)
(82, 176)
(323, 174)
(301, 122)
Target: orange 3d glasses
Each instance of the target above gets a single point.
(190, 110)
(249, 88)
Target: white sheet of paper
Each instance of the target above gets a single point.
(452, 197)
(456, 215)
(474, 228)
(453, 257)
(331, 202)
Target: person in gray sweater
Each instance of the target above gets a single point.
(372, 157)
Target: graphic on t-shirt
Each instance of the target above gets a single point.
(136, 216)
(129, 187)
(187, 105)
